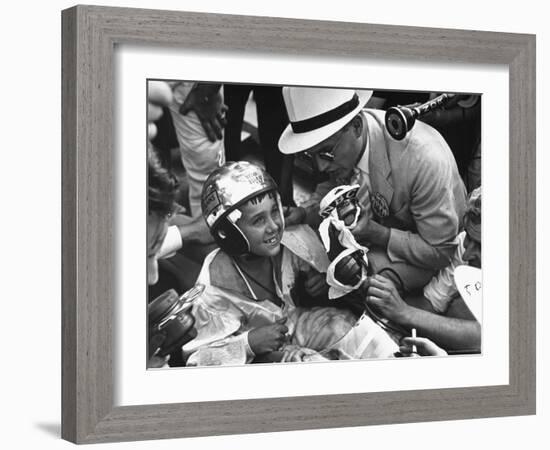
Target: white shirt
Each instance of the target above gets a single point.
(442, 289)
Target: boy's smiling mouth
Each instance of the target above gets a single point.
(274, 240)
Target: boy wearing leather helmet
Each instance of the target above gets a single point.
(248, 312)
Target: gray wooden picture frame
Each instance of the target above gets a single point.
(89, 35)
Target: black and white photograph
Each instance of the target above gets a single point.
(257, 225)
(294, 224)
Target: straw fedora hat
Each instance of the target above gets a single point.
(316, 114)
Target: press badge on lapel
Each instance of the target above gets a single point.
(379, 205)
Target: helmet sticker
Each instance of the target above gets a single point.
(211, 201)
(235, 215)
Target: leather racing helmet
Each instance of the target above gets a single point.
(227, 188)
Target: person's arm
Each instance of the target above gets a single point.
(448, 332)
(244, 347)
(441, 289)
(182, 229)
(192, 229)
(436, 217)
(206, 101)
(231, 350)
(409, 247)
(424, 347)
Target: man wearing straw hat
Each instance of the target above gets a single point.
(411, 193)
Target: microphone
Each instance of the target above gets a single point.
(401, 119)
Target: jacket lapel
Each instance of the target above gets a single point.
(379, 164)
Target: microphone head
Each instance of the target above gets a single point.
(399, 121)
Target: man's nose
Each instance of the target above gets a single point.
(321, 164)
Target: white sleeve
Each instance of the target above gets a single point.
(442, 289)
(172, 242)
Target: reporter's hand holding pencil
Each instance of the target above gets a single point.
(419, 346)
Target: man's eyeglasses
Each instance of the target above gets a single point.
(330, 143)
(326, 156)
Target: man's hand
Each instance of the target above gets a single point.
(361, 231)
(369, 232)
(424, 347)
(268, 338)
(383, 295)
(294, 215)
(206, 101)
(315, 283)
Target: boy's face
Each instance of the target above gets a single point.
(262, 224)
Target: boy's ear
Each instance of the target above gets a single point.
(231, 239)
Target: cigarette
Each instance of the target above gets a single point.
(413, 335)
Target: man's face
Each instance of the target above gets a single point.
(337, 155)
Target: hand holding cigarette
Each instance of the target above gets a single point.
(419, 346)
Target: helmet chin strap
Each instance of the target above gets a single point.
(232, 217)
(281, 213)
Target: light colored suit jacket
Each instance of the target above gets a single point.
(418, 178)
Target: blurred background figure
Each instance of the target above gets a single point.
(159, 95)
(271, 120)
(198, 116)
(176, 254)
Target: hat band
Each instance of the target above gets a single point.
(315, 122)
